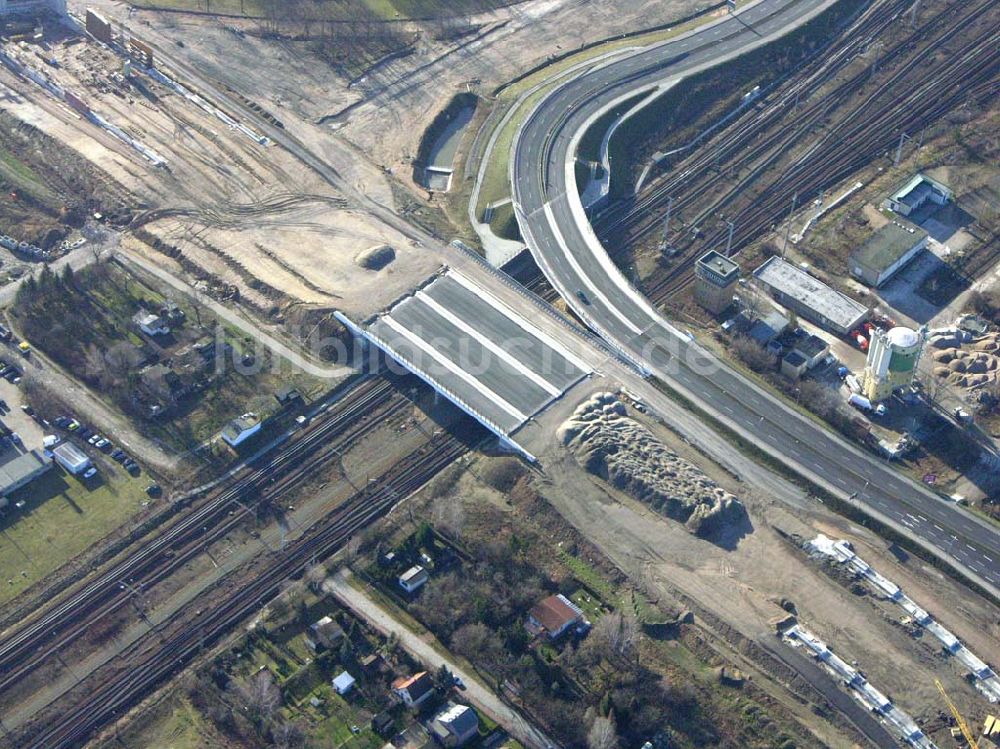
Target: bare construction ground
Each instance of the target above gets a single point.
(764, 576)
(384, 111)
(235, 211)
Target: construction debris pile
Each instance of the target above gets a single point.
(620, 450)
(979, 673)
(970, 363)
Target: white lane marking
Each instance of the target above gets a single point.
(489, 345)
(585, 279)
(454, 368)
(510, 313)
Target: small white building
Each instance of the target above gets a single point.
(918, 190)
(149, 323)
(72, 458)
(413, 578)
(241, 429)
(344, 683)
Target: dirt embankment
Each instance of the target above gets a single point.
(620, 450)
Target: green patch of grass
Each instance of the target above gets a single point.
(338, 716)
(175, 725)
(495, 184)
(63, 516)
(590, 577)
(13, 170)
(590, 605)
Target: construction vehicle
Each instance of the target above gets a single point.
(959, 720)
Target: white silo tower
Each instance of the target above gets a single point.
(892, 361)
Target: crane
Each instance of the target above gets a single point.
(962, 725)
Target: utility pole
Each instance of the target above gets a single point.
(788, 225)
(138, 601)
(729, 239)
(903, 137)
(666, 223)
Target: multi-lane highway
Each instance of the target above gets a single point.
(554, 225)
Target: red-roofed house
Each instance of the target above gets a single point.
(414, 690)
(553, 616)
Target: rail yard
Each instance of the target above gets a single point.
(605, 498)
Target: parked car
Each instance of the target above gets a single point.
(119, 455)
(73, 425)
(24, 347)
(134, 469)
(84, 433)
(104, 444)
(90, 473)
(154, 490)
(28, 410)
(94, 439)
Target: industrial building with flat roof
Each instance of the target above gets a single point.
(20, 470)
(915, 193)
(809, 297)
(886, 252)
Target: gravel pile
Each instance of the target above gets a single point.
(969, 366)
(627, 455)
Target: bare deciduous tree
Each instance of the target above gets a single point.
(448, 514)
(603, 734)
(259, 698)
(617, 632)
(288, 736)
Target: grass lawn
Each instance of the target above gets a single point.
(591, 578)
(62, 517)
(175, 724)
(495, 184)
(334, 728)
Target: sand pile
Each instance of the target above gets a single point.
(970, 366)
(630, 457)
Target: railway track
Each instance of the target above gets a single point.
(862, 134)
(356, 413)
(178, 643)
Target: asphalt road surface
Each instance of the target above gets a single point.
(562, 242)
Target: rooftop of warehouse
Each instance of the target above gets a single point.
(888, 244)
(823, 299)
